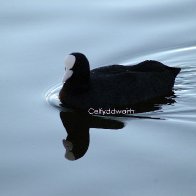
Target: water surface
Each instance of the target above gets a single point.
(146, 156)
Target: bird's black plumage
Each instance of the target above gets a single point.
(116, 86)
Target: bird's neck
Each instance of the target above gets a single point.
(75, 85)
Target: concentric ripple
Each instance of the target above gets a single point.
(185, 86)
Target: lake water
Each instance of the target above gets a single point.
(151, 154)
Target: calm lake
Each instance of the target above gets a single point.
(152, 153)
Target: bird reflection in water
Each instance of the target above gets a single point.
(77, 125)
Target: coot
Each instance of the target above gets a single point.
(114, 86)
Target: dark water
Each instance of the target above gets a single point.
(148, 156)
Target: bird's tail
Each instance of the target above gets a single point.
(175, 70)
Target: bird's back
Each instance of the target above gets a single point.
(119, 86)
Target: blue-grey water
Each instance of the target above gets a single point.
(149, 156)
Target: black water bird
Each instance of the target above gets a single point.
(114, 86)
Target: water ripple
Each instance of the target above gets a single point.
(185, 91)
